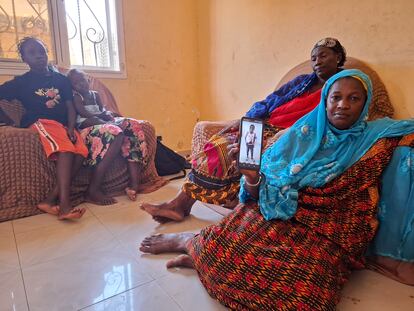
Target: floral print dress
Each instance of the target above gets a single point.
(98, 138)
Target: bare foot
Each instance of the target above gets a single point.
(48, 208)
(183, 260)
(131, 194)
(163, 210)
(166, 243)
(99, 198)
(76, 213)
(175, 210)
(163, 220)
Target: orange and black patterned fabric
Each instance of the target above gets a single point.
(214, 177)
(248, 263)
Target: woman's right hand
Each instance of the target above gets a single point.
(233, 127)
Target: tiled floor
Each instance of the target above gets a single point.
(94, 264)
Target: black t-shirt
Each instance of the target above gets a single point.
(43, 95)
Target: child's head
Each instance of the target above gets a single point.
(33, 52)
(79, 81)
(251, 128)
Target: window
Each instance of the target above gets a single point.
(85, 34)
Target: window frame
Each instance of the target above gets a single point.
(59, 36)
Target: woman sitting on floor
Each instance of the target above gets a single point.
(307, 219)
(213, 178)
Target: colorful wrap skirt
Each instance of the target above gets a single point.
(214, 177)
(98, 138)
(248, 263)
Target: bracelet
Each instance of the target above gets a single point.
(256, 184)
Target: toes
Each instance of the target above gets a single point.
(109, 201)
(76, 213)
(146, 243)
(131, 194)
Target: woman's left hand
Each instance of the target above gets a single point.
(106, 116)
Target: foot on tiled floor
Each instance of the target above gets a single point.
(166, 243)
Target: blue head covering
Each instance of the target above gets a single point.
(313, 152)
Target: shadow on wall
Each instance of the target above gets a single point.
(398, 77)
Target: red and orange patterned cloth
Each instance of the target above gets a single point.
(248, 263)
(214, 178)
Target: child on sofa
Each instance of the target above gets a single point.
(47, 98)
(101, 129)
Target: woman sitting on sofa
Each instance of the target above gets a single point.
(213, 178)
(308, 217)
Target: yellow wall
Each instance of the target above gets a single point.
(210, 59)
(162, 63)
(162, 67)
(247, 45)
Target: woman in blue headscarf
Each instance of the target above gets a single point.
(308, 217)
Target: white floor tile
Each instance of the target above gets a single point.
(122, 202)
(78, 281)
(95, 264)
(64, 239)
(9, 259)
(44, 220)
(166, 193)
(12, 296)
(368, 290)
(6, 227)
(145, 297)
(186, 289)
(131, 226)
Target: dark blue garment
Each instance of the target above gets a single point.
(43, 95)
(285, 93)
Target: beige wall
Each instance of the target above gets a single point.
(247, 45)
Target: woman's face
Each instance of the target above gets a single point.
(345, 102)
(324, 62)
(35, 55)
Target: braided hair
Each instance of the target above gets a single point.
(22, 43)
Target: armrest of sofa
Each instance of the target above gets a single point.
(26, 174)
(204, 130)
(13, 109)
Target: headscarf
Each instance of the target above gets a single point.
(313, 152)
(295, 88)
(334, 45)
